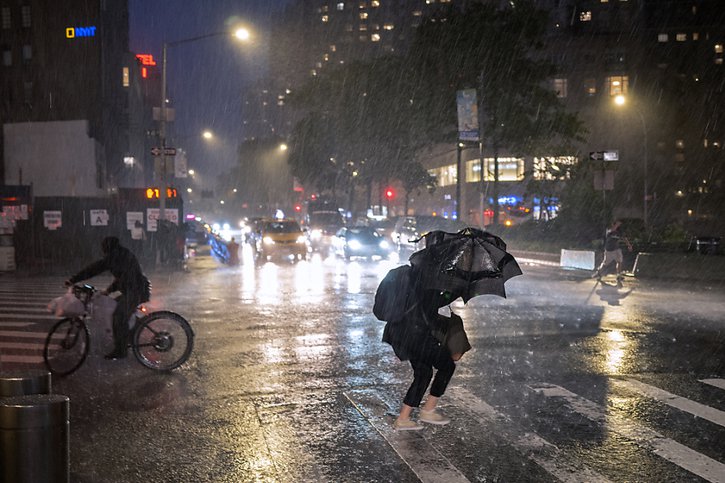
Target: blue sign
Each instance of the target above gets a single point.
(73, 32)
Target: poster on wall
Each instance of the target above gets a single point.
(132, 217)
(52, 220)
(99, 217)
(152, 217)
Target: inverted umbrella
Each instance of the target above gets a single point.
(468, 263)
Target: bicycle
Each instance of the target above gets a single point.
(161, 340)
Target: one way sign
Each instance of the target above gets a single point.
(604, 155)
(156, 151)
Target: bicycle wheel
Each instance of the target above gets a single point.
(162, 340)
(66, 346)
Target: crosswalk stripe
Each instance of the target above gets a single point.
(695, 408)
(428, 464)
(531, 445)
(720, 383)
(21, 359)
(679, 454)
(47, 316)
(15, 324)
(25, 335)
(21, 345)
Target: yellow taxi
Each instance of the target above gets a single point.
(283, 239)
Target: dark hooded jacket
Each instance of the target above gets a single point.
(407, 337)
(123, 265)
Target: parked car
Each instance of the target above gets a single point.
(409, 230)
(361, 241)
(281, 239)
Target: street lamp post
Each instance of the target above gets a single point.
(241, 34)
(620, 101)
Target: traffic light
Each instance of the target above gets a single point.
(298, 208)
(389, 193)
(155, 193)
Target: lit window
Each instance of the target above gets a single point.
(388, 26)
(25, 16)
(695, 36)
(618, 85)
(325, 18)
(417, 13)
(585, 16)
(718, 61)
(341, 6)
(559, 86)
(509, 169)
(375, 3)
(375, 37)
(363, 15)
(590, 86)
(27, 52)
(680, 144)
(553, 167)
(662, 38)
(362, 5)
(428, 2)
(126, 81)
(376, 26)
(318, 65)
(681, 37)
(7, 57)
(718, 48)
(325, 8)
(445, 175)
(333, 48)
(326, 57)
(363, 38)
(313, 72)
(363, 27)
(5, 14)
(604, 1)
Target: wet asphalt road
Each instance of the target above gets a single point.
(569, 380)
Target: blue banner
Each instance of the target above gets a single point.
(467, 115)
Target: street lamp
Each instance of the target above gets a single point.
(241, 34)
(621, 100)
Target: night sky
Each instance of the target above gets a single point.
(206, 78)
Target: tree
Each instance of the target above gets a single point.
(494, 51)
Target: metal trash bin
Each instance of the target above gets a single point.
(23, 383)
(35, 439)
(707, 245)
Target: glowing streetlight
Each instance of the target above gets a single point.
(207, 135)
(192, 172)
(242, 34)
(283, 147)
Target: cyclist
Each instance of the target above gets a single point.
(128, 279)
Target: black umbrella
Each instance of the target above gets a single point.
(468, 263)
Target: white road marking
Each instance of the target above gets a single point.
(15, 324)
(531, 445)
(679, 454)
(695, 408)
(715, 382)
(21, 359)
(24, 335)
(21, 345)
(428, 464)
(47, 316)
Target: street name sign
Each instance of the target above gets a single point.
(604, 155)
(156, 151)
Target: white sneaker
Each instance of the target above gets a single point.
(406, 425)
(433, 417)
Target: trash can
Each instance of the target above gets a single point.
(23, 383)
(35, 439)
(707, 245)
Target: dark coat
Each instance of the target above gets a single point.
(408, 337)
(127, 275)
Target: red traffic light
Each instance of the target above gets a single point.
(389, 193)
(298, 208)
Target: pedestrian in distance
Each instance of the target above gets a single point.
(233, 249)
(128, 279)
(416, 331)
(138, 236)
(613, 250)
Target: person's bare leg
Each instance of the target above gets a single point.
(430, 403)
(405, 412)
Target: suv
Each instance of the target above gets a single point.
(281, 239)
(321, 228)
(409, 229)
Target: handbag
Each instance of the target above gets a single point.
(450, 332)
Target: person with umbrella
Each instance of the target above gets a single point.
(465, 264)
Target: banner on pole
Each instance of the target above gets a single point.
(467, 115)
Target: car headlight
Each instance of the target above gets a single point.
(354, 245)
(268, 240)
(301, 239)
(316, 234)
(384, 244)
